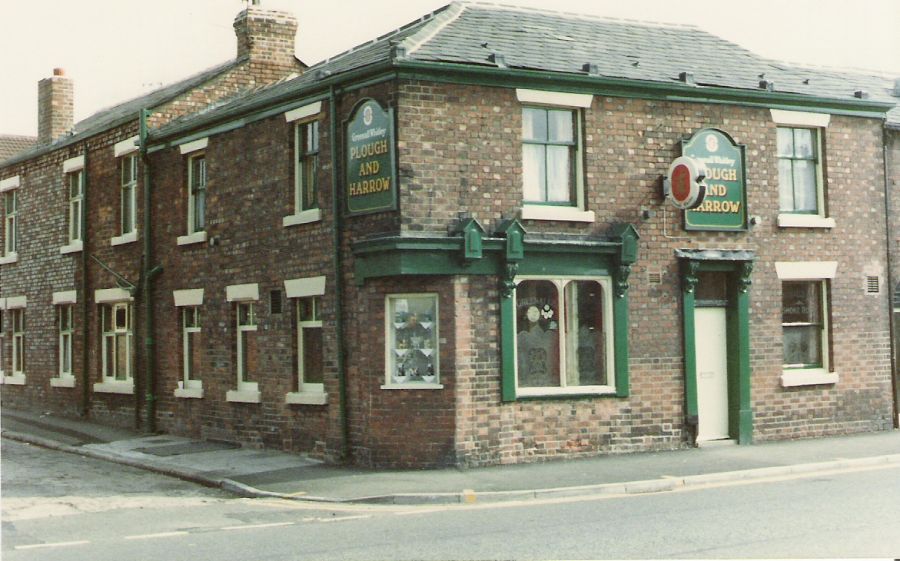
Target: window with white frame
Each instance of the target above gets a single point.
(196, 194)
(17, 318)
(247, 355)
(10, 223)
(564, 336)
(804, 324)
(192, 348)
(306, 158)
(66, 326)
(116, 343)
(309, 345)
(76, 201)
(550, 148)
(129, 171)
(412, 340)
(552, 155)
(799, 171)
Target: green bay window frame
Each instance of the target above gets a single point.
(799, 151)
(557, 325)
(197, 177)
(553, 137)
(508, 255)
(76, 201)
(129, 175)
(306, 166)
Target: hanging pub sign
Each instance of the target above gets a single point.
(371, 181)
(725, 206)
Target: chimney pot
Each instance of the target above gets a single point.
(59, 71)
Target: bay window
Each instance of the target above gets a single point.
(564, 336)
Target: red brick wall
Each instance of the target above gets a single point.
(472, 162)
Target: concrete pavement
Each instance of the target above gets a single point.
(260, 473)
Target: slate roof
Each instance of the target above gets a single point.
(12, 144)
(469, 33)
(128, 110)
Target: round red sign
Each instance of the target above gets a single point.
(686, 189)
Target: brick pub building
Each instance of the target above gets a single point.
(451, 246)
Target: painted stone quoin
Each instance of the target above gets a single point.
(424, 252)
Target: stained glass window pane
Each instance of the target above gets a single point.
(537, 337)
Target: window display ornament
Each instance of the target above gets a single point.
(684, 184)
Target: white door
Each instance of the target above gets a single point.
(712, 373)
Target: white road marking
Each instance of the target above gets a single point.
(343, 518)
(57, 544)
(153, 536)
(252, 526)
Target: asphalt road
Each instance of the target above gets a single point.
(59, 506)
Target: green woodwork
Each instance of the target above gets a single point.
(622, 87)
(740, 266)
(509, 253)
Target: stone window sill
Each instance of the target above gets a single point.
(73, 247)
(413, 386)
(810, 377)
(13, 380)
(582, 391)
(189, 393)
(130, 237)
(559, 213)
(304, 217)
(124, 388)
(804, 221)
(10, 258)
(243, 396)
(62, 382)
(306, 398)
(196, 237)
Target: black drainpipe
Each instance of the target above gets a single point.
(338, 276)
(85, 340)
(148, 272)
(895, 359)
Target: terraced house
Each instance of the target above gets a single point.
(466, 243)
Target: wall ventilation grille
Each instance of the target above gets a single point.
(872, 285)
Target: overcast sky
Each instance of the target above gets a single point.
(119, 49)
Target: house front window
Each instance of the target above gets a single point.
(412, 341)
(197, 194)
(799, 171)
(18, 341)
(192, 347)
(804, 324)
(129, 171)
(10, 223)
(66, 330)
(247, 356)
(564, 336)
(76, 198)
(117, 361)
(306, 191)
(549, 148)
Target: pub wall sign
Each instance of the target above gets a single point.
(725, 206)
(369, 156)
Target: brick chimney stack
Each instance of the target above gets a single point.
(56, 106)
(266, 36)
